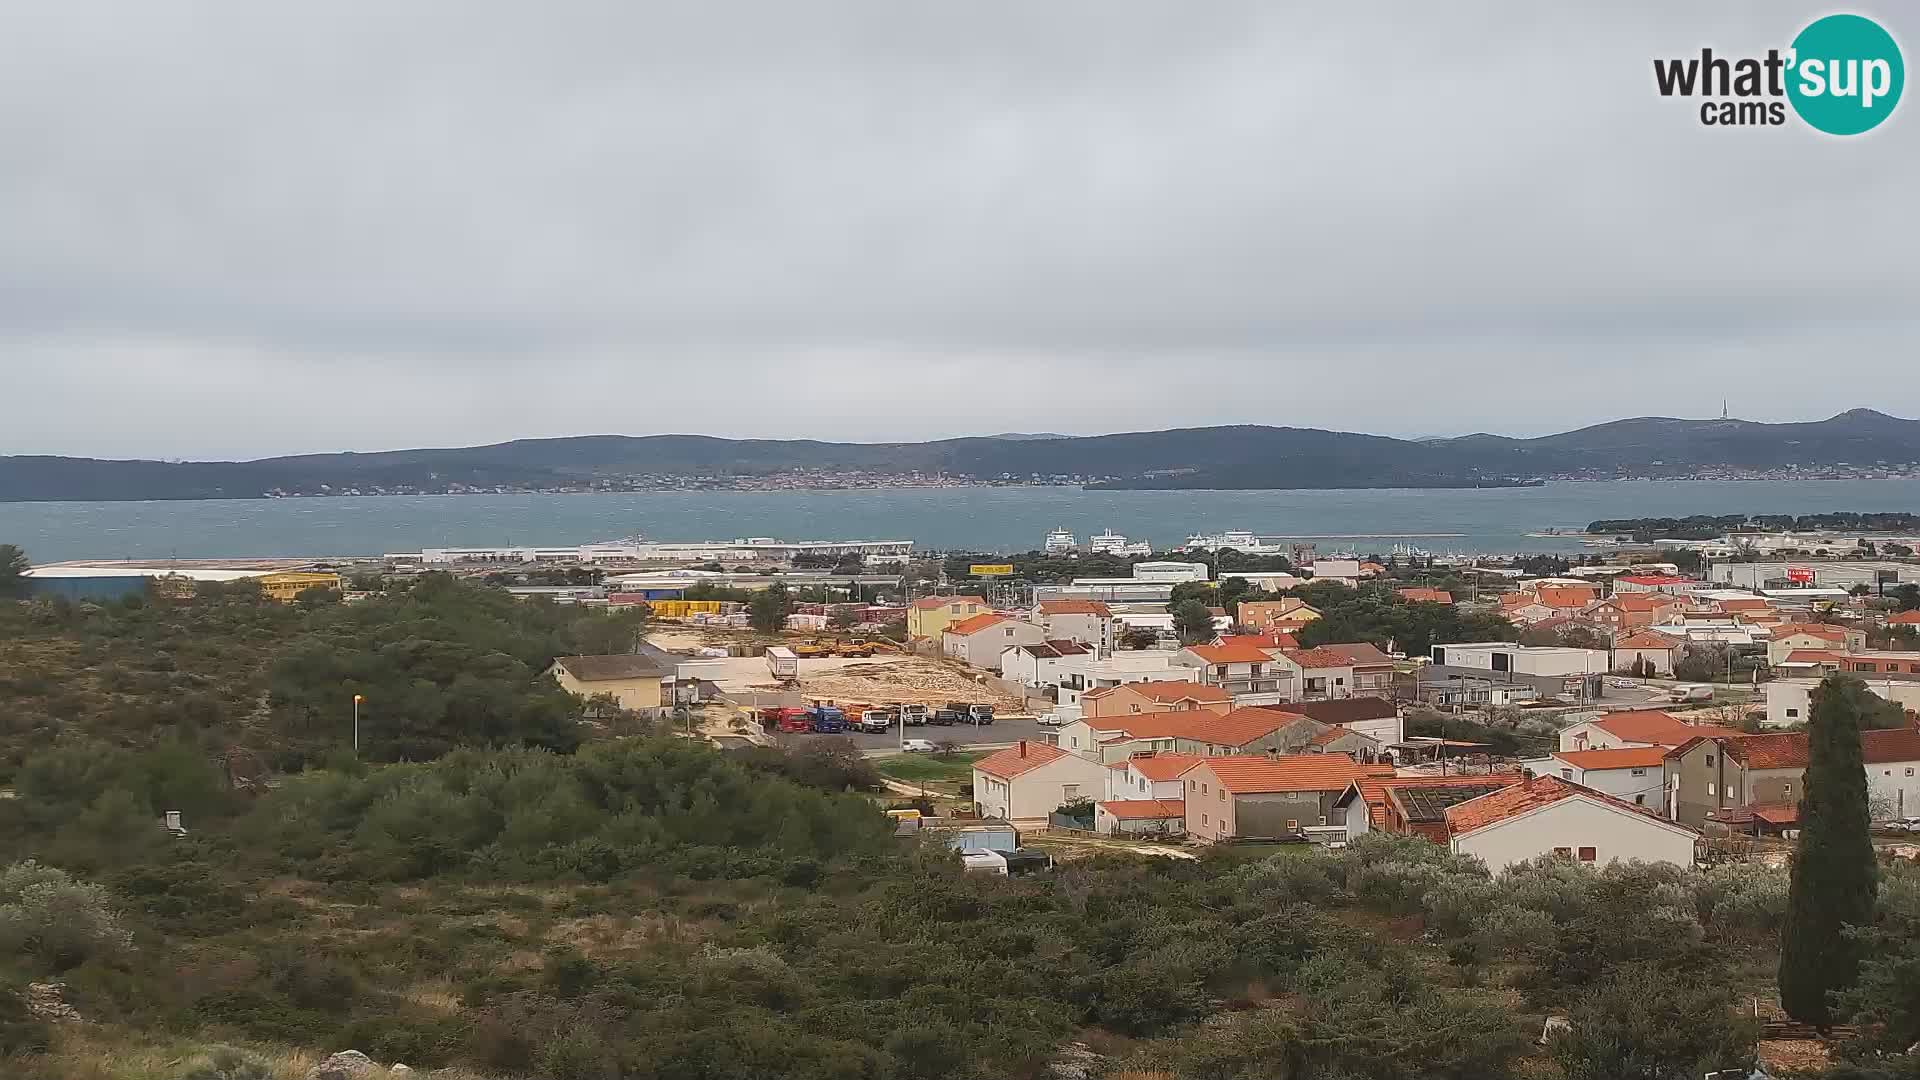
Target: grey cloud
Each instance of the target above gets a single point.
(472, 221)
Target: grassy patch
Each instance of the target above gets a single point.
(929, 768)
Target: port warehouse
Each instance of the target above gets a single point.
(750, 548)
(658, 588)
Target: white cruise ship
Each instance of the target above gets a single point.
(1112, 543)
(1060, 540)
(1238, 540)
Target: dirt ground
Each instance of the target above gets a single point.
(880, 680)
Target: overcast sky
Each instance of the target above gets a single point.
(251, 228)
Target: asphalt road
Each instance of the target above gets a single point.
(998, 733)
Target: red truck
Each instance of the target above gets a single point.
(791, 720)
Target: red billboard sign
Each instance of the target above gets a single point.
(1800, 575)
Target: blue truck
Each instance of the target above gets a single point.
(826, 720)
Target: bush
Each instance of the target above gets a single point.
(1641, 1023)
(226, 1063)
(60, 921)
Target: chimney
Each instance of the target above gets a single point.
(1023, 748)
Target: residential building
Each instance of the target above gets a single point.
(1551, 816)
(1630, 610)
(1030, 780)
(1229, 797)
(1636, 774)
(1080, 675)
(1319, 673)
(1266, 581)
(1449, 687)
(1426, 596)
(1524, 609)
(1904, 618)
(1655, 650)
(1411, 805)
(1250, 674)
(1634, 727)
(1140, 817)
(1200, 732)
(979, 641)
(1344, 571)
(1565, 596)
(1148, 697)
(1338, 740)
(1089, 622)
(1290, 613)
(929, 616)
(1377, 718)
(1038, 665)
(1372, 670)
(1790, 636)
(1149, 776)
(633, 682)
(1880, 662)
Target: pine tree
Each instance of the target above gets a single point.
(1833, 866)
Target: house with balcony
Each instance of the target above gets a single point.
(1247, 672)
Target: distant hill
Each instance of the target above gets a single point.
(1236, 457)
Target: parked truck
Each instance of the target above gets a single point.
(914, 715)
(782, 663)
(793, 720)
(827, 720)
(813, 649)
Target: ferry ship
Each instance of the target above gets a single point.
(1238, 540)
(1112, 543)
(1060, 541)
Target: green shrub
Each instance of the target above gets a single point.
(55, 918)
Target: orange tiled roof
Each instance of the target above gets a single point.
(1229, 654)
(1654, 726)
(1237, 728)
(1075, 607)
(1889, 745)
(1358, 653)
(1321, 657)
(1904, 618)
(1145, 809)
(1273, 639)
(1639, 601)
(1251, 775)
(1813, 656)
(1427, 596)
(1533, 794)
(1782, 750)
(1158, 767)
(976, 623)
(1566, 596)
(1819, 630)
(1628, 757)
(1757, 603)
(1022, 757)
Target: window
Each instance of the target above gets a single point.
(1639, 800)
(1793, 712)
(1563, 852)
(1203, 819)
(1709, 765)
(1909, 772)
(1074, 741)
(1136, 708)
(1588, 854)
(1292, 823)
(1070, 792)
(1323, 819)
(1637, 772)
(1785, 789)
(1709, 787)
(1566, 774)
(1223, 794)
(1191, 784)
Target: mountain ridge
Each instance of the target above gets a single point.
(1238, 456)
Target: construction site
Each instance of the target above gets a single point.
(890, 676)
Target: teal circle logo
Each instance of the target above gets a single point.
(1845, 75)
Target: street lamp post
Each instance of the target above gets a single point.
(356, 724)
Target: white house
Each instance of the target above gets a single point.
(1028, 781)
(1635, 774)
(1079, 674)
(1252, 675)
(1790, 701)
(1893, 771)
(1551, 816)
(1140, 817)
(1319, 674)
(1088, 622)
(1790, 637)
(1149, 776)
(979, 641)
(1344, 571)
(1038, 665)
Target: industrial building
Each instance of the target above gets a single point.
(746, 549)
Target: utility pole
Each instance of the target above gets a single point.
(356, 725)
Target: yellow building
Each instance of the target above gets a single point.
(288, 584)
(633, 681)
(930, 616)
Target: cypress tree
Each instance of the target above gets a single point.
(1833, 865)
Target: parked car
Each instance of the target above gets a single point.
(1048, 719)
(944, 718)
(918, 746)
